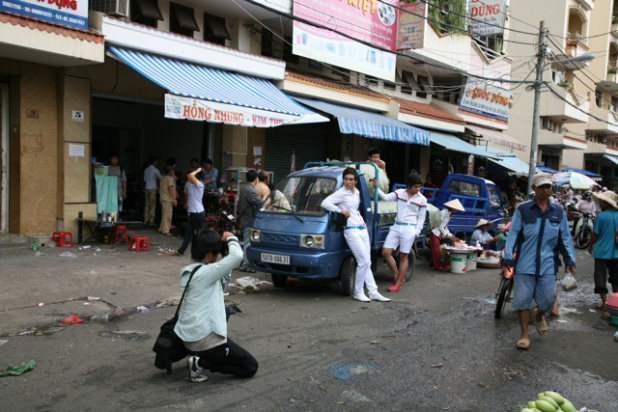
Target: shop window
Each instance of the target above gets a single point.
(613, 104)
(182, 20)
(145, 12)
(547, 123)
(598, 97)
(215, 30)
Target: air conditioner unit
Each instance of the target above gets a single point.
(118, 8)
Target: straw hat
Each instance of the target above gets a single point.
(609, 197)
(482, 222)
(455, 204)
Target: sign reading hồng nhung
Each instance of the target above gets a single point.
(73, 13)
(482, 98)
(179, 107)
(361, 22)
(486, 17)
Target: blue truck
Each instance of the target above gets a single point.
(305, 241)
(480, 197)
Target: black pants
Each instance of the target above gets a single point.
(195, 224)
(228, 358)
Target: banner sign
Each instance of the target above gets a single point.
(487, 11)
(411, 25)
(487, 100)
(73, 13)
(371, 21)
(178, 107)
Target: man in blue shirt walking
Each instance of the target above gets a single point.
(539, 233)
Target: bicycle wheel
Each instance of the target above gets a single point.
(503, 296)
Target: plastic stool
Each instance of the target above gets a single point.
(119, 233)
(138, 243)
(62, 238)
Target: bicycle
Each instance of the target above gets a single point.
(505, 289)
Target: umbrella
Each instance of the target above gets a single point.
(576, 180)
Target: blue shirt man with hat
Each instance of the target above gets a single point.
(539, 234)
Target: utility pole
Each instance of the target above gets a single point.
(538, 84)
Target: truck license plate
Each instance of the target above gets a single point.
(280, 259)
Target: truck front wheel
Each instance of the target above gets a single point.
(347, 276)
(279, 281)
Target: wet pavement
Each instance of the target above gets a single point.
(435, 347)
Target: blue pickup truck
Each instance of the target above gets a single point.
(306, 241)
(480, 197)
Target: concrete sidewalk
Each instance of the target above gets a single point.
(39, 288)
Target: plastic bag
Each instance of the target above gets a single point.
(569, 282)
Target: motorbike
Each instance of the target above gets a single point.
(582, 231)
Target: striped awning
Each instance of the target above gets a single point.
(511, 163)
(581, 171)
(369, 124)
(451, 142)
(201, 93)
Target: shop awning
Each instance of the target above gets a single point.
(510, 162)
(613, 159)
(547, 169)
(370, 124)
(581, 171)
(201, 93)
(498, 138)
(451, 142)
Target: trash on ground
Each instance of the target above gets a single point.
(34, 246)
(142, 309)
(16, 370)
(87, 372)
(51, 243)
(68, 254)
(128, 332)
(84, 247)
(73, 319)
(40, 304)
(37, 254)
(3, 341)
(93, 298)
(250, 283)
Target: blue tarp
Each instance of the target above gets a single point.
(581, 171)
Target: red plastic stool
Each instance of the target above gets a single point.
(138, 243)
(62, 238)
(119, 233)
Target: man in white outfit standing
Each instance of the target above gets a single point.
(346, 201)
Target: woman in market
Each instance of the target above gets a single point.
(441, 234)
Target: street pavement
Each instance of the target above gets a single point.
(94, 281)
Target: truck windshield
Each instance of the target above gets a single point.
(302, 195)
(494, 197)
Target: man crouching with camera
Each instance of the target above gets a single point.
(202, 323)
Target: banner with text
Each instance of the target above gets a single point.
(411, 25)
(178, 107)
(487, 17)
(371, 21)
(73, 13)
(487, 100)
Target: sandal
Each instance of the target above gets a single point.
(541, 325)
(523, 344)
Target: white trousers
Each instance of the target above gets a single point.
(358, 241)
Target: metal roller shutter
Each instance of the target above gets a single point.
(308, 142)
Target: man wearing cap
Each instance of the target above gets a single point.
(539, 233)
(482, 236)
(440, 232)
(411, 214)
(603, 245)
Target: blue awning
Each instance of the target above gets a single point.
(510, 162)
(581, 171)
(547, 169)
(218, 89)
(613, 159)
(370, 124)
(451, 142)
